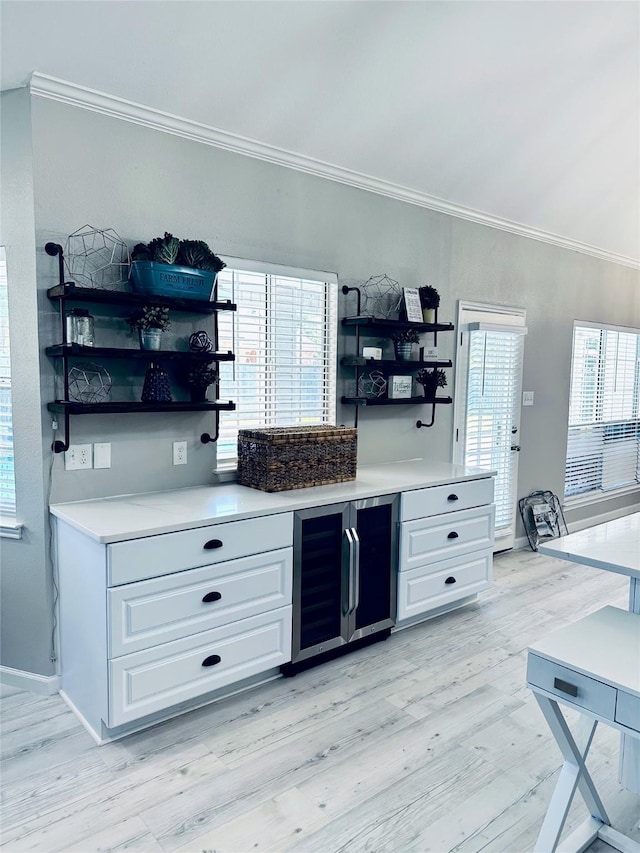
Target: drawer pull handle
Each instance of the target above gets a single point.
(452, 535)
(211, 596)
(212, 660)
(212, 543)
(565, 687)
(452, 498)
(450, 580)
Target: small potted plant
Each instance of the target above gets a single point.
(198, 377)
(431, 380)
(169, 266)
(402, 341)
(150, 321)
(429, 301)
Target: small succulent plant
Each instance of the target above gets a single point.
(406, 336)
(429, 296)
(150, 317)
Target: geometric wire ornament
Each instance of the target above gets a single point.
(89, 383)
(372, 385)
(97, 258)
(382, 297)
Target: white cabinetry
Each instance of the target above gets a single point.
(150, 623)
(446, 547)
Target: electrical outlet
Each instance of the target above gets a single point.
(527, 398)
(102, 455)
(78, 456)
(179, 452)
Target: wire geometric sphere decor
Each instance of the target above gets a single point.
(382, 297)
(98, 258)
(89, 383)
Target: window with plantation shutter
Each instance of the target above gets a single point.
(603, 444)
(7, 476)
(284, 336)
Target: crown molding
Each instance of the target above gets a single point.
(52, 88)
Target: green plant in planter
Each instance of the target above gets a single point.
(150, 317)
(431, 380)
(198, 376)
(171, 250)
(429, 297)
(405, 336)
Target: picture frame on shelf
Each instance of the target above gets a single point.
(412, 304)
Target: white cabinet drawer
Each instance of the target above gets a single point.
(151, 612)
(427, 540)
(438, 499)
(428, 587)
(155, 679)
(152, 556)
(572, 687)
(628, 710)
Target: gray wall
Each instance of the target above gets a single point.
(92, 169)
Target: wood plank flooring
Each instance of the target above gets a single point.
(429, 741)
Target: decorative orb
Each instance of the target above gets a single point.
(382, 297)
(97, 258)
(372, 385)
(89, 383)
(200, 342)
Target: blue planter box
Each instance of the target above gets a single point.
(156, 279)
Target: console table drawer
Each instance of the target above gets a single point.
(151, 612)
(428, 587)
(155, 679)
(572, 687)
(427, 540)
(628, 710)
(438, 499)
(151, 556)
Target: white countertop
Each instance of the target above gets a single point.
(132, 516)
(613, 546)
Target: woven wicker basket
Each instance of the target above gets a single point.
(280, 458)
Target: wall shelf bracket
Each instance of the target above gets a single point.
(420, 424)
(355, 290)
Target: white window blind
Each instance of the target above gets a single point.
(603, 441)
(7, 476)
(284, 336)
(492, 397)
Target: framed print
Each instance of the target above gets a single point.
(412, 304)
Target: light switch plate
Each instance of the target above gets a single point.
(527, 398)
(102, 455)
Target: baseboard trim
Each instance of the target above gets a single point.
(52, 88)
(44, 685)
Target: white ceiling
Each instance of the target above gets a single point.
(526, 111)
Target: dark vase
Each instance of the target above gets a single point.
(430, 388)
(198, 393)
(156, 388)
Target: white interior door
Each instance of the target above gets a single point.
(488, 397)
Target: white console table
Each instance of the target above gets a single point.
(593, 666)
(612, 547)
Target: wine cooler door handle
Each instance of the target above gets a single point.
(350, 601)
(356, 567)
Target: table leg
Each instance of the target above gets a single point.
(573, 774)
(629, 769)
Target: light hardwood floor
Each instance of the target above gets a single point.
(429, 741)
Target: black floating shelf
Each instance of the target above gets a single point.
(121, 408)
(360, 361)
(385, 401)
(61, 350)
(70, 290)
(373, 323)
